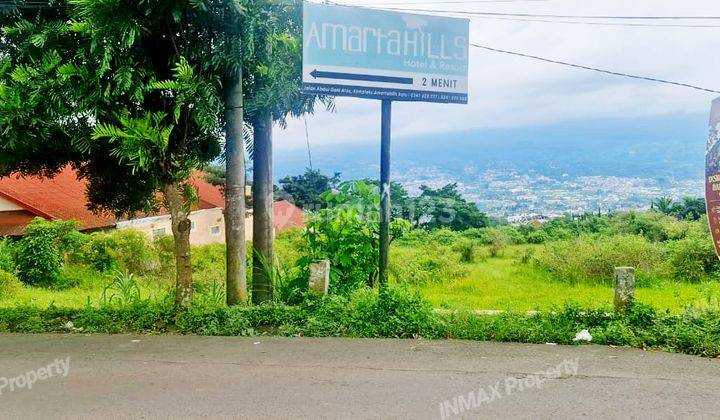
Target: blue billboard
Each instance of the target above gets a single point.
(370, 53)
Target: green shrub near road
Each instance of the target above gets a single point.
(9, 284)
(452, 269)
(427, 263)
(395, 313)
(39, 254)
(693, 259)
(125, 249)
(7, 255)
(592, 259)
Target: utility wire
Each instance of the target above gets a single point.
(531, 15)
(614, 73)
(473, 15)
(567, 22)
(307, 140)
(432, 3)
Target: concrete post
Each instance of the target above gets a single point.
(624, 288)
(320, 277)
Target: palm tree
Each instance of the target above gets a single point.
(664, 205)
(692, 208)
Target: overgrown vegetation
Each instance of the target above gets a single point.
(395, 312)
(346, 233)
(120, 282)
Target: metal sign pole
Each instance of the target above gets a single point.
(418, 58)
(385, 190)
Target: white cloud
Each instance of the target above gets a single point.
(512, 91)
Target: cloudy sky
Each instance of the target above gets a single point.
(508, 91)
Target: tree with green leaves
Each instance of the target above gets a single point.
(401, 202)
(446, 207)
(134, 95)
(691, 208)
(346, 232)
(306, 190)
(272, 94)
(664, 205)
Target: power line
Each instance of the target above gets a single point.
(614, 73)
(531, 15)
(645, 25)
(566, 22)
(476, 15)
(307, 140)
(431, 3)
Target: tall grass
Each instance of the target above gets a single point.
(592, 258)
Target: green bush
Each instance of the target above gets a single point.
(97, 252)
(498, 240)
(134, 252)
(415, 236)
(208, 262)
(164, 246)
(466, 249)
(395, 312)
(653, 226)
(511, 233)
(82, 276)
(392, 312)
(423, 264)
(38, 255)
(7, 255)
(693, 259)
(345, 232)
(537, 236)
(124, 250)
(443, 236)
(570, 227)
(9, 285)
(592, 259)
(74, 245)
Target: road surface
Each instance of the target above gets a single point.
(190, 377)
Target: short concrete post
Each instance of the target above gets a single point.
(320, 277)
(624, 288)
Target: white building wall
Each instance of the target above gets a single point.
(208, 226)
(6, 205)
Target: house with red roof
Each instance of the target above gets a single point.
(23, 198)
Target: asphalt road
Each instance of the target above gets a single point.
(178, 376)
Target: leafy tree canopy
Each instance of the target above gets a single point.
(306, 190)
(690, 208)
(446, 207)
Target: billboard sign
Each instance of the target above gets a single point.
(712, 174)
(369, 53)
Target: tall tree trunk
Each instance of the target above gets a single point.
(181, 234)
(263, 235)
(236, 281)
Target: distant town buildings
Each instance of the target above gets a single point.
(520, 197)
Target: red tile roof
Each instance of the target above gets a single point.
(63, 197)
(211, 197)
(12, 223)
(287, 216)
(60, 197)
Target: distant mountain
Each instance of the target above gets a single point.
(654, 154)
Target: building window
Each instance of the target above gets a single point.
(157, 233)
(192, 225)
(215, 230)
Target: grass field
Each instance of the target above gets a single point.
(77, 297)
(503, 283)
(500, 283)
